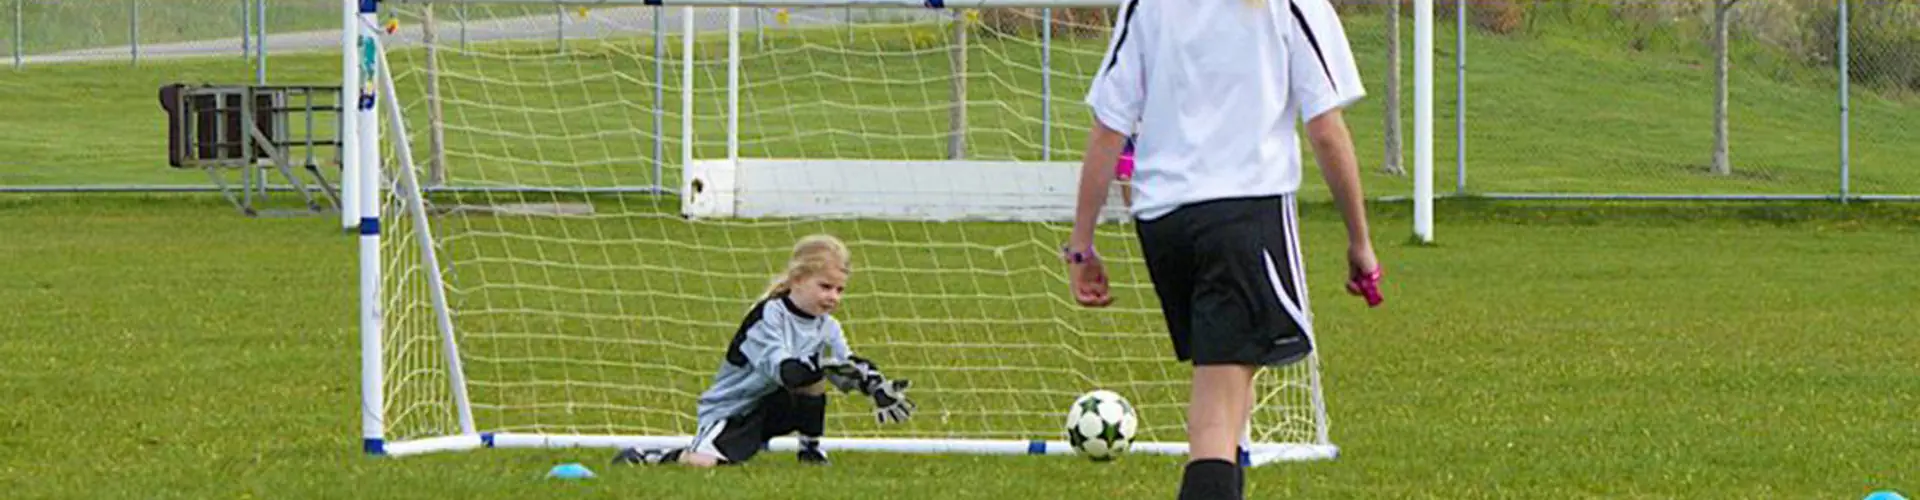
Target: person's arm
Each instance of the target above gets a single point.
(1096, 176)
(1333, 147)
(1324, 80)
(1118, 98)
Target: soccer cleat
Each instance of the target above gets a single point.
(637, 456)
(813, 456)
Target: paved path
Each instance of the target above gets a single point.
(600, 23)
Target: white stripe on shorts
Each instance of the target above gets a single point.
(703, 440)
(1280, 292)
(1296, 251)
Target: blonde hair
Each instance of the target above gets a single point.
(812, 255)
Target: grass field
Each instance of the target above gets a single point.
(160, 346)
(1542, 351)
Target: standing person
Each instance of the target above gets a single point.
(1217, 88)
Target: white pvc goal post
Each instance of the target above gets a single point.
(564, 286)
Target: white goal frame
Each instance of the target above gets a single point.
(364, 179)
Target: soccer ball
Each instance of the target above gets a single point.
(1101, 425)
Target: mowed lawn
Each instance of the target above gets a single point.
(165, 347)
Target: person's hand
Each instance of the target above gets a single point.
(1363, 274)
(1088, 278)
(890, 404)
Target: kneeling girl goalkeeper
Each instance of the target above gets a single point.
(773, 380)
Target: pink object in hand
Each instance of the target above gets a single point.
(1368, 286)
(1123, 169)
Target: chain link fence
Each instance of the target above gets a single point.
(51, 31)
(60, 31)
(1642, 99)
(1594, 98)
(1883, 69)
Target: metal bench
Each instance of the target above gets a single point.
(256, 130)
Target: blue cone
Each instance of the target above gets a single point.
(1884, 495)
(570, 471)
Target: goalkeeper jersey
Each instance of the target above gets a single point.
(1213, 90)
(775, 330)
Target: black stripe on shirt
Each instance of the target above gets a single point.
(1125, 26)
(1313, 42)
(734, 354)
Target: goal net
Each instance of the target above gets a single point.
(571, 229)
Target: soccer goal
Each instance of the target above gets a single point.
(561, 230)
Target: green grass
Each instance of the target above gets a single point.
(1540, 351)
(1548, 112)
(163, 347)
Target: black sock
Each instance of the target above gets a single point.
(1212, 479)
(810, 412)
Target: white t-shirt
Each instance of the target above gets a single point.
(1216, 88)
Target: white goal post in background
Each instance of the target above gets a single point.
(564, 286)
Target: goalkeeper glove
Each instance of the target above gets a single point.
(889, 396)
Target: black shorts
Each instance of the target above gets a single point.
(1231, 281)
(738, 438)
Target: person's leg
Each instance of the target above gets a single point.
(809, 417)
(1216, 419)
(742, 436)
(1246, 316)
(1217, 414)
(1246, 431)
(697, 459)
(703, 452)
(734, 440)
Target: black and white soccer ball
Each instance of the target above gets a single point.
(1101, 425)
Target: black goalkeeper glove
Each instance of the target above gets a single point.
(889, 396)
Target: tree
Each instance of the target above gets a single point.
(1393, 154)
(1721, 12)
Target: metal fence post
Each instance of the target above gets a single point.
(1845, 107)
(1046, 84)
(1460, 88)
(133, 29)
(660, 97)
(260, 42)
(18, 33)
